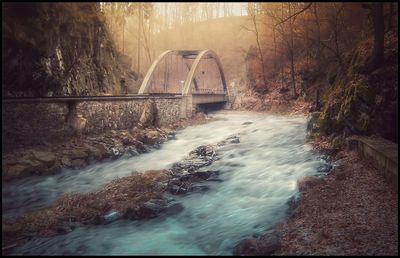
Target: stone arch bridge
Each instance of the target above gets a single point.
(195, 75)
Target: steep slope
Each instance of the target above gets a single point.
(58, 49)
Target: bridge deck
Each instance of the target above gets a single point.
(84, 98)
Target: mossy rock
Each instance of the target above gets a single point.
(338, 142)
(357, 99)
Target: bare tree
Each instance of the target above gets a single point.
(252, 14)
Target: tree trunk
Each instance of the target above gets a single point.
(379, 30)
(138, 43)
(291, 52)
(275, 61)
(318, 35)
(261, 56)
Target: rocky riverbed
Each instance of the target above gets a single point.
(351, 211)
(139, 196)
(194, 200)
(77, 152)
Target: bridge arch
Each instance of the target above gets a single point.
(177, 72)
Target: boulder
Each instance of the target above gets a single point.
(78, 163)
(18, 170)
(156, 205)
(94, 152)
(233, 139)
(46, 157)
(78, 153)
(116, 153)
(65, 161)
(265, 245)
(111, 216)
(176, 189)
(132, 151)
(56, 168)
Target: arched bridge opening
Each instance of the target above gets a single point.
(196, 75)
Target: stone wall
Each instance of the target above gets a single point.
(27, 124)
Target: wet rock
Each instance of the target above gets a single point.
(128, 140)
(132, 151)
(324, 168)
(233, 139)
(152, 134)
(199, 188)
(156, 205)
(293, 203)
(51, 171)
(63, 229)
(46, 157)
(103, 151)
(146, 149)
(171, 136)
(202, 156)
(78, 163)
(112, 215)
(328, 152)
(262, 246)
(204, 151)
(18, 170)
(162, 185)
(174, 208)
(78, 153)
(115, 153)
(65, 161)
(202, 174)
(246, 247)
(175, 189)
(308, 182)
(94, 152)
(214, 178)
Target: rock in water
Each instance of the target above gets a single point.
(262, 246)
(116, 153)
(156, 205)
(112, 215)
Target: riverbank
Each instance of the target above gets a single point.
(265, 151)
(138, 196)
(275, 102)
(80, 151)
(351, 211)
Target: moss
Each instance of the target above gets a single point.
(357, 93)
(338, 142)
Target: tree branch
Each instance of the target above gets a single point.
(295, 14)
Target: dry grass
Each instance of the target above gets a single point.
(122, 194)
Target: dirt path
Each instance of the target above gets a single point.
(352, 211)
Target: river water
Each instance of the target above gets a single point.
(259, 176)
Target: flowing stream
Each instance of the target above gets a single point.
(259, 176)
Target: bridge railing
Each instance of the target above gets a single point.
(208, 91)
